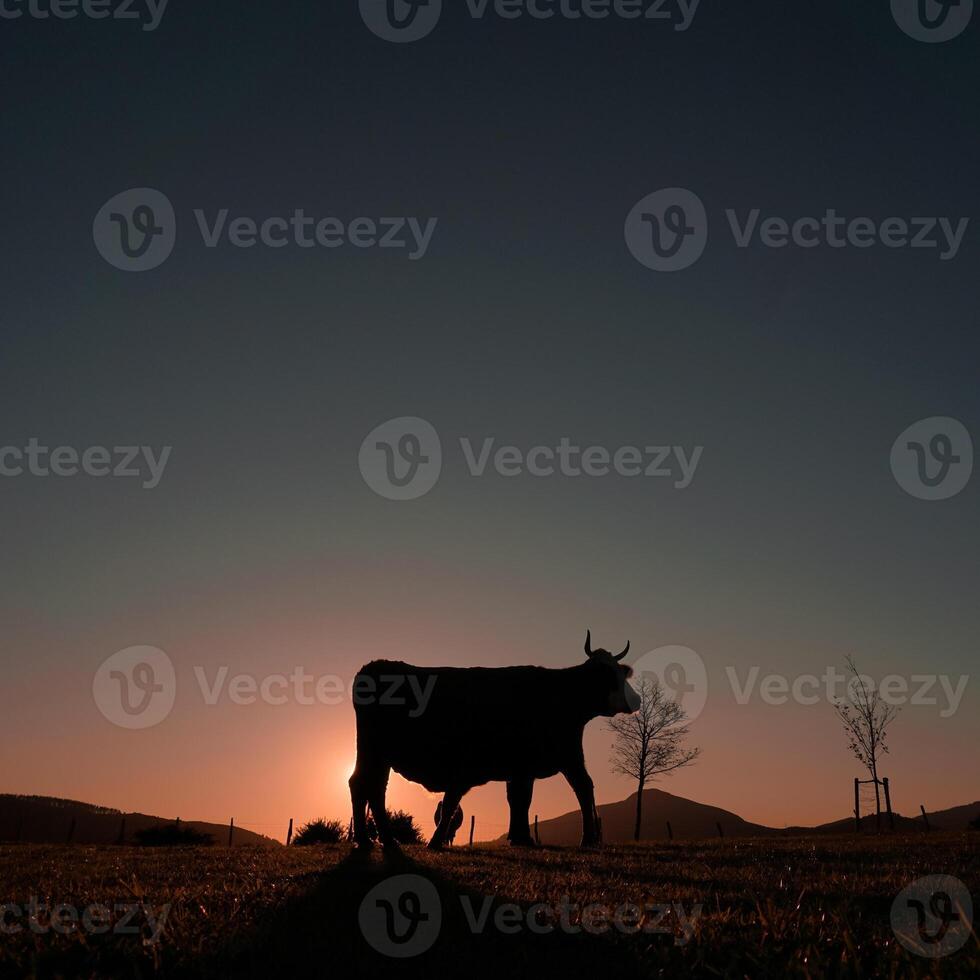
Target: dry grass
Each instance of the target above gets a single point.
(769, 907)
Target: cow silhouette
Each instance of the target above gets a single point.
(454, 824)
(453, 728)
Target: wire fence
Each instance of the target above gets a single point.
(485, 830)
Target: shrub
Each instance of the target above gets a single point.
(320, 831)
(403, 828)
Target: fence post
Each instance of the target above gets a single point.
(888, 805)
(537, 839)
(71, 831)
(670, 831)
(857, 806)
(231, 831)
(721, 833)
(472, 827)
(289, 833)
(122, 832)
(925, 816)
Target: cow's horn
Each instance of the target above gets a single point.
(623, 654)
(588, 643)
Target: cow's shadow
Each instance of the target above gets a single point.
(320, 934)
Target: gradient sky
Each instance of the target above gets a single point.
(528, 320)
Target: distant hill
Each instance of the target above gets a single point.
(688, 820)
(691, 821)
(47, 820)
(955, 818)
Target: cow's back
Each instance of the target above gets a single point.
(447, 726)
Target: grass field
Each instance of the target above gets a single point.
(721, 908)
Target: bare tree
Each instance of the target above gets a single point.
(866, 718)
(648, 742)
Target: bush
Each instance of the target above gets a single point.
(320, 831)
(403, 828)
(171, 835)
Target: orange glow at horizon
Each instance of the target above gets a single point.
(264, 764)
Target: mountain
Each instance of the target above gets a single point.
(954, 818)
(47, 820)
(690, 821)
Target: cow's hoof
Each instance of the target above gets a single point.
(522, 842)
(434, 845)
(364, 846)
(590, 842)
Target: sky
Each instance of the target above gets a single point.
(263, 547)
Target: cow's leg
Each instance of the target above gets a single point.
(581, 783)
(519, 797)
(367, 789)
(376, 800)
(449, 803)
(358, 783)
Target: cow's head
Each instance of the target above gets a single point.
(610, 680)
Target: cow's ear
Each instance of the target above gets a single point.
(588, 643)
